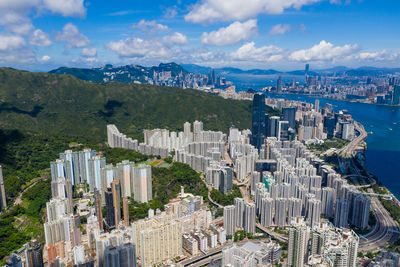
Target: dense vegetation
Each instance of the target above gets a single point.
(63, 104)
(166, 185)
(227, 199)
(43, 114)
(328, 144)
(25, 221)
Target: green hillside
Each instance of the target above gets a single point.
(62, 104)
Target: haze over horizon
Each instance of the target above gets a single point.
(265, 34)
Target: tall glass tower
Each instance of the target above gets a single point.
(259, 121)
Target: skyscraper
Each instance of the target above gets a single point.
(279, 84)
(142, 185)
(289, 114)
(239, 211)
(341, 213)
(116, 192)
(33, 254)
(273, 126)
(250, 218)
(111, 257)
(299, 234)
(14, 261)
(229, 219)
(98, 208)
(259, 121)
(396, 95)
(127, 255)
(110, 209)
(95, 164)
(125, 208)
(3, 200)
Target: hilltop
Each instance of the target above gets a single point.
(62, 104)
(126, 74)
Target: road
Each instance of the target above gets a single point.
(18, 199)
(347, 151)
(382, 233)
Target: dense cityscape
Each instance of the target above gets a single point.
(294, 208)
(199, 133)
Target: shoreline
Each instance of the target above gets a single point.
(328, 98)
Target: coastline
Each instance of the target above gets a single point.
(329, 98)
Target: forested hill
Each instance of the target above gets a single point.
(62, 104)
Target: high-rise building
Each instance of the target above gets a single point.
(280, 212)
(98, 208)
(250, 218)
(259, 121)
(3, 199)
(58, 168)
(341, 213)
(283, 131)
(313, 208)
(239, 211)
(95, 164)
(360, 207)
(111, 257)
(84, 157)
(289, 114)
(33, 254)
(110, 209)
(229, 219)
(142, 184)
(116, 193)
(125, 208)
(124, 175)
(72, 160)
(299, 234)
(160, 243)
(197, 129)
(127, 255)
(279, 84)
(396, 95)
(14, 261)
(273, 126)
(316, 105)
(267, 208)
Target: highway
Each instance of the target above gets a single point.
(347, 151)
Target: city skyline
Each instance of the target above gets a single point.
(43, 34)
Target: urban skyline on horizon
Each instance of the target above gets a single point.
(43, 34)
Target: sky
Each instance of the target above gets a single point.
(40, 35)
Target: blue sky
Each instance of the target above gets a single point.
(285, 34)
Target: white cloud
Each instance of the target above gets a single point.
(137, 47)
(45, 58)
(67, 8)
(249, 52)
(280, 29)
(15, 22)
(11, 42)
(170, 12)
(176, 38)
(149, 25)
(13, 49)
(208, 11)
(89, 52)
(382, 55)
(230, 35)
(40, 38)
(71, 35)
(324, 51)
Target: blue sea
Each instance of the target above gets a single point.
(383, 144)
